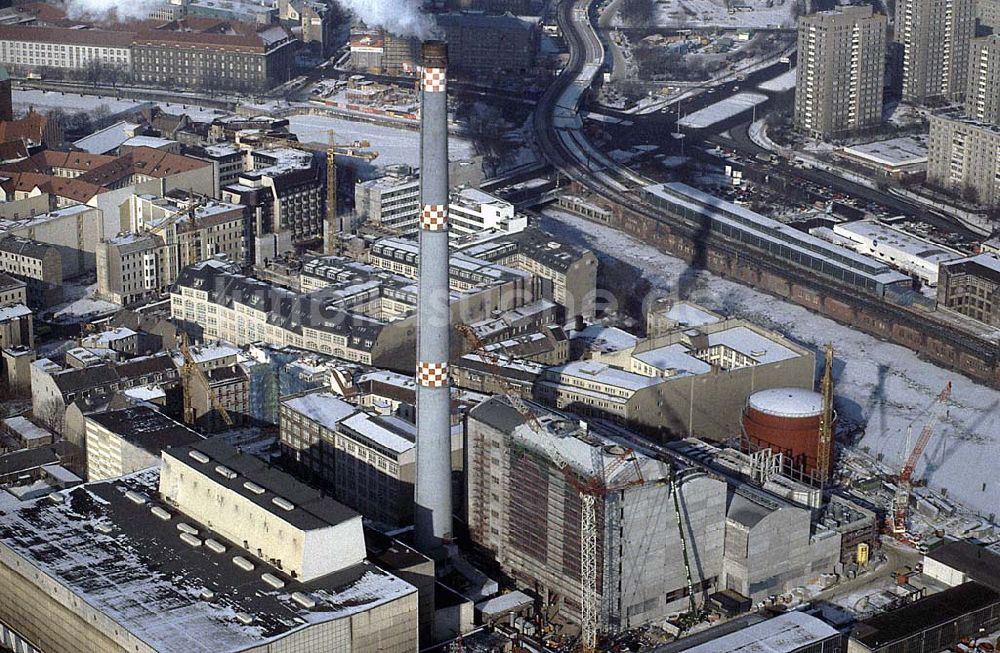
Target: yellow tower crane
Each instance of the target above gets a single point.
(190, 370)
(355, 150)
(824, 456)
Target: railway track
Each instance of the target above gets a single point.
(617, 186)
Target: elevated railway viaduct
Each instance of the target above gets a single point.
(912, 327)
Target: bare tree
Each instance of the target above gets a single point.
(638, 13)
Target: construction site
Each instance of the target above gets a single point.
(625, 541)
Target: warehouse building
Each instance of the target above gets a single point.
(794, 632)
(264, 564)
(931, 624)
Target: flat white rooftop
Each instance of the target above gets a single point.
(895, 152)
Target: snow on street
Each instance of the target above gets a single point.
(878, 383)
(393, 145)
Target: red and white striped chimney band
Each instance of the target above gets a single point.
(434, 217)
(435, 80)
(432, 375)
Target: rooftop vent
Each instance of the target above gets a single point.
(283, 503)
(199, 456)
(304, 600)
(273, 581)
(215, 545)
(253, 487)
(135, 497)
(188, 538)
(243, 563)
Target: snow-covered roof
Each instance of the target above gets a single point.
(901, 151)
(13, 312)
(786, 633)
(504, 603)
(107, 139)
(688, 314)
(750, 343)
(875, 234)
(722, 110)
(26, 429)
(676, 357)
(386, 434)
(324, 408)
(146, 393)
(110, 336)
(211, 352)
(139, 573)
(606, 338)
(602, 373)
(787, 402)
(148, 141)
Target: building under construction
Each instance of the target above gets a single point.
(552, 498)
(529, 513)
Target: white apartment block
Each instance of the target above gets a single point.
(935, 35)
(841, 71)
(982, 96)
(390, 203)
(964, 158)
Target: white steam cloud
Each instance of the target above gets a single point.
(399, 17)
(111, 9)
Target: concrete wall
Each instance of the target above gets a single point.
(776, 554)
(942, 572)
(75, 236)
(711, 405)
(650, 551)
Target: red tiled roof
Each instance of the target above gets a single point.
(31, 127)
(67, 36)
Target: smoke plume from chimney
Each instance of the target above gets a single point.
(111, 9)
(399, 17)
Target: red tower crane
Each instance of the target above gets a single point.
(904, 485)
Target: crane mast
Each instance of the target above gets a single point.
(904, 485)
(824, 456)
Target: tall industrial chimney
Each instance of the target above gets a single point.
(433, 525)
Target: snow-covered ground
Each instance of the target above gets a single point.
(75, 102)
(783, 82)
(80, 305)
(715, 13)
(393, 145)
(722, 110)
(883, 385)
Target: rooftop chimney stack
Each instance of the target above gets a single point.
(433, 525)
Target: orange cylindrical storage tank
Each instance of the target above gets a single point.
(786, 420)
